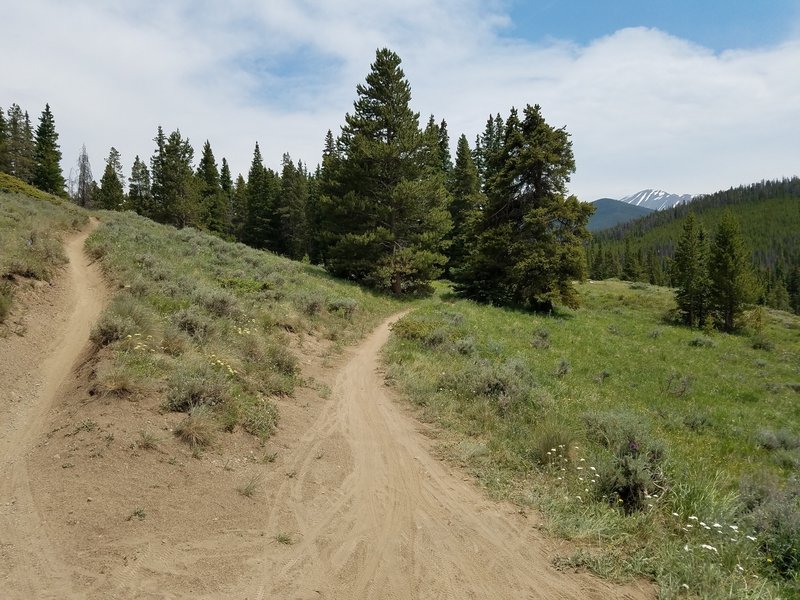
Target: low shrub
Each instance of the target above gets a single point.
(192, 322)
(6, 299)
(344, 307)
(198, 429)
(111, 327)
(701, 342)
(761, 342)
(465, 346)
(196, 385)
(632, 470)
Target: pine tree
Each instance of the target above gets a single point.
(111, 195)
(83, 193)
(258, 224)
(291, 209)
(237, 209)
(5, 164)
(732, 282)
(47, 175)
(140, 197)
(690, 273)
(385, 206)
(631, 265)
(465, 188)
(213, 200)
(174, 188)
(19, 144)
(528, 245)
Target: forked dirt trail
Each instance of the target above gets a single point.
(32, 369)
(373, 515)
(349, 502)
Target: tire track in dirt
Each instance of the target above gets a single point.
(32, 369)
(374, 515)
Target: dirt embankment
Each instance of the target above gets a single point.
(346, 501)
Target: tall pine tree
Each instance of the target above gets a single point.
(111, 195)
(47, 175)
(465, 188)
(213, 201)
(83, 191)
(732, 280)
(528, 241)
(690, 273)
(140, 197)
(384, 204)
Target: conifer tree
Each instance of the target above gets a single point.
(385, 207)
(140, 197)
(47, 175)
(5, 165)
(732, 282)
(528, 245)
(213, 200)
(690, 273)
(83, 192)
(174, 188)
(465, 188)
(237, 209)
(291, 209)
(258, 225)
(19, 144)
(111, 195)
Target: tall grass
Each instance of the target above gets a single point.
(623, 431)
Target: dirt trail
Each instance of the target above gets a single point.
(32, 369)
(350, 503)
(373, 515)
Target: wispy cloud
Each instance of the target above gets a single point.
(645, 109)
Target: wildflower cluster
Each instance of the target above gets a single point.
(219, 363)
(140, 343)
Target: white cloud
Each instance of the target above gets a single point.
(645, 109)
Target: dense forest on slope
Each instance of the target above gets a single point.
(769, 214)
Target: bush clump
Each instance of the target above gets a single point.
(196, 386)
(190, 321)
(632, 470)
(344, 307)
(198, 429)
(6, 299)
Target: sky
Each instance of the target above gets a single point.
(688, 96)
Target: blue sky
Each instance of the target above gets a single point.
(686, 96)
(715, 24)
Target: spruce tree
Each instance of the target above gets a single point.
(528, 246)
(47, 175)
(140, 197)
(5, 165)
(465, 188)
(291, 209)
(258, 224)
(690, 273)
(213, 200)
(19, 144)
(174, 188)
(111, 195)
(732, 282)
(385, 205)
(237, 210)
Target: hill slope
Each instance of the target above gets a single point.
(769, 213)
(609, 212)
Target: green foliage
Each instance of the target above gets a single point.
(111, 195)
(47, 175)
(732, 282)
(506, 407)
(384, 204)
(527, 241)
(690, 273)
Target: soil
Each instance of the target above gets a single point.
(345, 501)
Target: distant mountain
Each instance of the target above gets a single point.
(609, 212)
(656, 199)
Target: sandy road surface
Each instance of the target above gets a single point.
(352, 506)
(373, 515)
(32, 369)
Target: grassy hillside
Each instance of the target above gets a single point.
(214, 327)
(609, 212)
(629, 432)
(32, 224)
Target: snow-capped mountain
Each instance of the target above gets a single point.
(656, 199)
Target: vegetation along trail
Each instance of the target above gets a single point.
(32, 369)
(372, 514)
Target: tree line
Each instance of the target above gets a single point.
(388, 206)
(769, 214)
